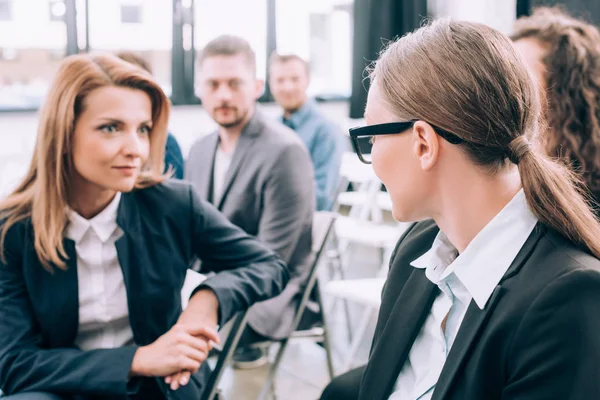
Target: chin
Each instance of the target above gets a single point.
(125, 186)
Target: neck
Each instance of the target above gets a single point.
(289, 112)
(472, 201)
(89, 203)
(229, 136)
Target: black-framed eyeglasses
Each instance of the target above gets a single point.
(362, 137)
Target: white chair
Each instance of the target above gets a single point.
(365, 292)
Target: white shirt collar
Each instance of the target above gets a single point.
(104, 224)
(488, 256)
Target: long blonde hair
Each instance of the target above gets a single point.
(43, 193)
(468, 79)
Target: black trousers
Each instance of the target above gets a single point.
(345, 386)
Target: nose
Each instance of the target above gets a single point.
(223, 93)
(287, 86)
(135, 146)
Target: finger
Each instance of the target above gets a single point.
(175, 385)
(201, 330)
(171, 378)
(194, 354)
(184, 378)
(194, 342)
(188, 364)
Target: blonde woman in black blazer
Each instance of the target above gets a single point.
(495, 293)
(101, 147)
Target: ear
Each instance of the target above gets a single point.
(259, 88)
(426, 145)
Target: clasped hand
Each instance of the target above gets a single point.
(180, 352)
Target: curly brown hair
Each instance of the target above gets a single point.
(572, 65)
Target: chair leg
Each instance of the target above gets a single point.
(267, 387)
(326, 342)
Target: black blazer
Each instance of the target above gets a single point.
(165, 227)
(538, 337)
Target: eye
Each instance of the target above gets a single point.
(235, 84)
(371, 139)
(109, 128)
(145, 129)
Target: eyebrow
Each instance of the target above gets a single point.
(118, 121)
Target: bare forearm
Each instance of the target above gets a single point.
(203, 306)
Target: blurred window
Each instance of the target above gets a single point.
(6, 10)
(131, 11)
(245, 18)
(114, 27)
(58, 10)
(32, 44)
(319, 31)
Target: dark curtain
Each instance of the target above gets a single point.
(375, 22)
(523, 8)
(589, 10)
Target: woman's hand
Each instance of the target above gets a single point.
(182, 348)
(202, 311)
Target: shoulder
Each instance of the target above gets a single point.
(171, 197)
(171, 140)
(556, 256)
(416, 241)
(17, 236)
(200, 144)
(275, 135)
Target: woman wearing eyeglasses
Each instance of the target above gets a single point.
(495, 293)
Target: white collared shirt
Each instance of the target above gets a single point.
(103, 309)
(472, 275)
(220, 168)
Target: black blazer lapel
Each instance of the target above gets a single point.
(475, 320)
(131, 252)
(205, 187)
(404, 323)
(62, 300)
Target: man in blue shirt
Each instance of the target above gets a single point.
(289, 80)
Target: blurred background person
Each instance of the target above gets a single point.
(564, 55)
(173, 155)
(289, 78)
(259, 174)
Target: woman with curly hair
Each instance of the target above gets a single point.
(564, 55)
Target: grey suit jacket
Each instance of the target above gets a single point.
(269, 193)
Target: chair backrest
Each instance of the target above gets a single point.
(323, 222)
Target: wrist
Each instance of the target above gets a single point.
(137, 366)
(203, 304)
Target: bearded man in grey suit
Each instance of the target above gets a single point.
(260, 175)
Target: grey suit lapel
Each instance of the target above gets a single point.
(206, 163)
(242, 149)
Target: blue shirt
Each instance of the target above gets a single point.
(173, 157)
(325, 143)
